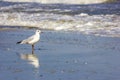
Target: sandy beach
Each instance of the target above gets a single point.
(59, 56)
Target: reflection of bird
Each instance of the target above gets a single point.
(32, 58)
(32, 39)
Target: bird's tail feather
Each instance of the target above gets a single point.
(19, 42)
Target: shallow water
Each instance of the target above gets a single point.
(59, 56)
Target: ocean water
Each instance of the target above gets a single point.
(95, 19)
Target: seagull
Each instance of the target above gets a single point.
(32, 39)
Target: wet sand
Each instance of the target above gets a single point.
(59, 56)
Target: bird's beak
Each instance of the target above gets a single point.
(41, 32)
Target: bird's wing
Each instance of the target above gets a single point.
(28, 39)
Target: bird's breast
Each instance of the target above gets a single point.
(35, 40)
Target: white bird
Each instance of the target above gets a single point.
(32, 39)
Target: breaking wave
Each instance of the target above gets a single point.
(99, 19)
(62, 1)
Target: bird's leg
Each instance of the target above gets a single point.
(32, 49)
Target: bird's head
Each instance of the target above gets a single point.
(38, 31)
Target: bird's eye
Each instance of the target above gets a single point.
(38, 31)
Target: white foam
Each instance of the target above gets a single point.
(83, 14)
(96, 24)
